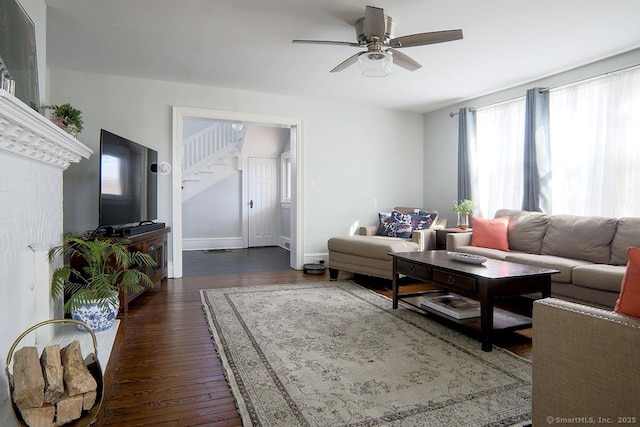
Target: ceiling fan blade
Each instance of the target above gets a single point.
(404, 61)
(327, 42)
(422, 39)
(374, 25)
(346, 63)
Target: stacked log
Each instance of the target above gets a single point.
(53, 389)
(53, 374)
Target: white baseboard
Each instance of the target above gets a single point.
(316, 257)
(285, 243)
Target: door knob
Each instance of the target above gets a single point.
(251, 204)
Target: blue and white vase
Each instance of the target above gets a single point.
(99, 316)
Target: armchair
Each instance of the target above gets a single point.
(367, 253)
(585, 364)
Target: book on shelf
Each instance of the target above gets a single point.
(452, 305)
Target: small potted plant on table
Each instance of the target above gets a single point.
(464, 209)
(100, 269)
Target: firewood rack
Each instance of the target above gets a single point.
(91, 361)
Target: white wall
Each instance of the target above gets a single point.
(360, 159)
(441, 131)
(265, 141)
(214, 216)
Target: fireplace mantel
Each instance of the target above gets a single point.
(25, 133)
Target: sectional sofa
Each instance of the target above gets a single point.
(589, 252)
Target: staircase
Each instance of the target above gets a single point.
(210, 156)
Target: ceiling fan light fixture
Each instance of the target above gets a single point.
(375, 63)
(375, 32)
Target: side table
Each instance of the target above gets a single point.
(441, 236)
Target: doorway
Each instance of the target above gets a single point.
(294, 125)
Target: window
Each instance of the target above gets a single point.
(594, 134)
(285, 177)
(595, 146)
(499, 156)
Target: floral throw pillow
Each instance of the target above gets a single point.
(425, 219)
(383, 219)
(394, 226)
(419, 220)
(400, 217)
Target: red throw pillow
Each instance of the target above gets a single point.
(490, 233)
(629, 300)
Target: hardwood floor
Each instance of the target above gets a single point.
(163, 370)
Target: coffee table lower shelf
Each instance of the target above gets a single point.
(503, 320)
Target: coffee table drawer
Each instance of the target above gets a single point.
(417, 271)
(454, 280)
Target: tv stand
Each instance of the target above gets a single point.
(155, 244)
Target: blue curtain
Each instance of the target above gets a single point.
(537, 162)
(467, 174)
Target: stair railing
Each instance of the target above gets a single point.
(208, 143)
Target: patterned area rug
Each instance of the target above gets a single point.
(337, 354)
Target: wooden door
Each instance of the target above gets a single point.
(263, 201)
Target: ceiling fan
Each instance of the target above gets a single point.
(375, 33)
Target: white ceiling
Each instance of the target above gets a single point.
(246, 44)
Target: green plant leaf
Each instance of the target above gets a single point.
(463, 207)
(108, 267)
(71, 116)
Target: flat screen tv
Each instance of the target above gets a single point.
(128, 182)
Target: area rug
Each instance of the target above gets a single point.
(337, 354)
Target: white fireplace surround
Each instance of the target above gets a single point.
(33, 155)
(26, 133)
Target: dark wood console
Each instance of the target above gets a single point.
(154, 243)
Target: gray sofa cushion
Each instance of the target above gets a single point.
(564, 265)
(526, 229)
(583, 295)
(599, 276)
(627, 235)
(579, 237)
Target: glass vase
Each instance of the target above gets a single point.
(463, 221)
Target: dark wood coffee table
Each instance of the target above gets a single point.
(493, 278)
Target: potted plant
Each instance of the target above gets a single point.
(464, 209)
(99, 269)
(66, 117)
